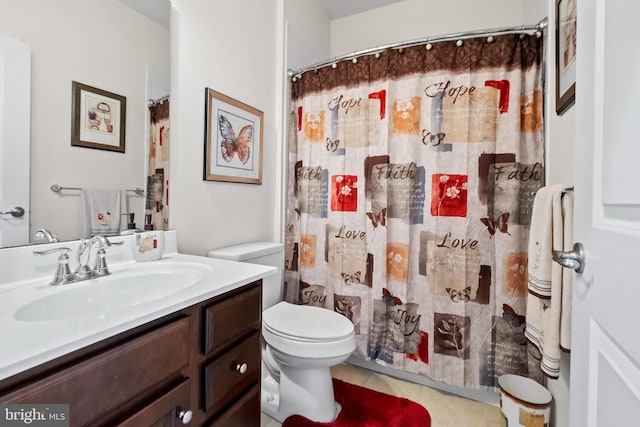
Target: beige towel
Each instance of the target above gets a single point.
(548, 301)
(567, 274)
(101, 211)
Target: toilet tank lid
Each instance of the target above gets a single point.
(246, 251)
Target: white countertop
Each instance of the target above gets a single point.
(26, 344)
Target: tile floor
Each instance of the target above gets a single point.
(446, 410)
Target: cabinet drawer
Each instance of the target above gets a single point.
(245, 412)
(164, 410)
(223, 383)
(115, 375)
(228, 319)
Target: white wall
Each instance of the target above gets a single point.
(414, 19)
(560, 130)
(308, 26)
(230, 47)
(101, 43)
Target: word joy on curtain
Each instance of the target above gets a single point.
(411, 184)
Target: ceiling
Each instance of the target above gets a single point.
(159, 10)
(341, 8)
(155, 10)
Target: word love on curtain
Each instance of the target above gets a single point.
(412, 176)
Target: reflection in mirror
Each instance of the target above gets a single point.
(100, 43)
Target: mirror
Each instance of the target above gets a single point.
(105, 44)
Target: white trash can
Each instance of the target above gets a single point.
(524, 402)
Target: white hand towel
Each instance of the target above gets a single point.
(101, 212)
(545, 307)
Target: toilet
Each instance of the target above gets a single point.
(300, 343)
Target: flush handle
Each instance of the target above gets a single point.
(572, 259)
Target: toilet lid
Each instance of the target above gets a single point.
(306, 323)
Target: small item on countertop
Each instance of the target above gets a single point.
(148, 245)
(147, 222)
(131, 224)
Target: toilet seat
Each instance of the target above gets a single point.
(307, 331)
(306, 323)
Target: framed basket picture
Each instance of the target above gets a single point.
(566, 26)
(98, 119)
(233, 140)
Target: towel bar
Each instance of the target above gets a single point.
(57, 188)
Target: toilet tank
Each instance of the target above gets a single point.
(263, 253)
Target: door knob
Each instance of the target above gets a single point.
(572, 259)
(16, 212)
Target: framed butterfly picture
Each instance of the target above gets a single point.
(233, 140)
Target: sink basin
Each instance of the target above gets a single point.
(106, 295)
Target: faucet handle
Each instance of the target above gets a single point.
(104, 242)
(100, 268)
(62, 274)
(64, 251)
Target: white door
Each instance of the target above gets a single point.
(605, 353)
(15, 101)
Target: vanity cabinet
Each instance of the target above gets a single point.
(198, 366)
(231, 353)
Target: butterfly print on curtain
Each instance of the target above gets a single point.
(421, 209)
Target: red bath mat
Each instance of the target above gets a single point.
(363, 407)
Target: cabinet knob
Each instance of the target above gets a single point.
(185, 416)
(241, 367)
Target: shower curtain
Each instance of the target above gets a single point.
(411, 181)
(157, 202)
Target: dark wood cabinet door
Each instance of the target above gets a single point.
(230, 318)
(164, 411)
(225, 378)
(244, 413)
(96, 387)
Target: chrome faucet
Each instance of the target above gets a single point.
(43, 233)
(82, 272)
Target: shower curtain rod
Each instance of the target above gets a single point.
(530, 29)
(152, 102)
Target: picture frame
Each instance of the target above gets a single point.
(233, 140)
(566, 26)
(98, 119)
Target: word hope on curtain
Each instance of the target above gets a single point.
(411, 181)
